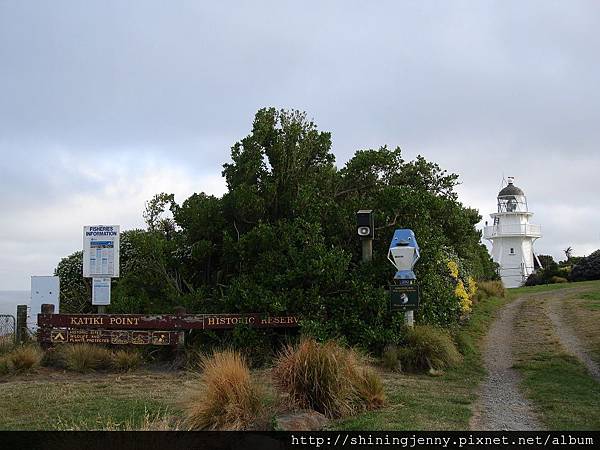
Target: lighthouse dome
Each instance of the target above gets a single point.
(511, 189)
(511, 199)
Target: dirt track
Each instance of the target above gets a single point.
(568, 339)
(501, 405)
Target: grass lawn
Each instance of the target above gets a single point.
(582, 314)
(51, 401)
(593, 285)
(423, 402)
(563, 392)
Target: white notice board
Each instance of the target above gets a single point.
(101, 291)
(101, 251)
(44, 289)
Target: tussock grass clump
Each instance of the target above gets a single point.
(389, 358)
(487, 289)
(318, 376)
(55, 357)
(227, 398)
(7, 344)
(25, 358)
(87, 357)
(429, 348)
(5, 366)
(126, 360)
(369, 388)
(327, 378)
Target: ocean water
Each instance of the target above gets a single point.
(10, 299)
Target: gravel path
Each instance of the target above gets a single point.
(568, 339)
(501, 406)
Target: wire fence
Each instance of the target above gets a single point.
(8, 327)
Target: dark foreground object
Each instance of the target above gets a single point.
(176, 440)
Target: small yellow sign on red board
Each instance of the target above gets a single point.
(59, 335)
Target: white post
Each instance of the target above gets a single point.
(409, 317)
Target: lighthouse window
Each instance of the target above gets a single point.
(512, 251)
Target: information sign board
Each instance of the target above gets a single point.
(404, 296)
(101, 251)
(101, 291)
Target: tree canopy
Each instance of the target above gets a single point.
(283, 237)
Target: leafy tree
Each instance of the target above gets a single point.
(149, 281)
(154, 214)
(202, 222)
(283, 237)
(551, 272)
(547, 261)
(278, 169)
(75, 291)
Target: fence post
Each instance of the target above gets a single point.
(21, 323)
(44, 331)
(47, 308)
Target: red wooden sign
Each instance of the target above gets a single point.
(165, 321)
(138, 329)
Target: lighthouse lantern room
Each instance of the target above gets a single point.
(512, 236)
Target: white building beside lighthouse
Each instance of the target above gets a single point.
(512, 236)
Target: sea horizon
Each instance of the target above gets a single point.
(9, 299)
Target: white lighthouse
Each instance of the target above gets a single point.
(513, 236)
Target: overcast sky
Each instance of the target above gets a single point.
(104, 103)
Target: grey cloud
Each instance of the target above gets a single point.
(484, 88)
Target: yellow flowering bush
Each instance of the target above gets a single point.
(453, 268)
(472, 284)
(465, 295)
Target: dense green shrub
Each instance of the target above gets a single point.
(548, 275)
(587, 268)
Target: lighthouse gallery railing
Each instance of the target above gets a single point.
(512, 230)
